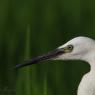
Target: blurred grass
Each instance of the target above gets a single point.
(29, 28)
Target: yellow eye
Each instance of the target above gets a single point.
(68, 49)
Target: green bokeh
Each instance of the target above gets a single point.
(32, 27)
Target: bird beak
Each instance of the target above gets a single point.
(49, 56)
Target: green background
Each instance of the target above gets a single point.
(29, 28)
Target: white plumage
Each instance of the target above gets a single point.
(79, 48)
(84, 49)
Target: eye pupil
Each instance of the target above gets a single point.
(70, 47)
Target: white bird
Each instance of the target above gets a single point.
(79, 48)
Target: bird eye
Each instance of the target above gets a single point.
(68, 49)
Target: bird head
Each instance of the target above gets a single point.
(79, 48)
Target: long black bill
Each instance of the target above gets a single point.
(51, 55)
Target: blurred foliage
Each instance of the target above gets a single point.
(32, 27)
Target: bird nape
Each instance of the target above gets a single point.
(79, 48)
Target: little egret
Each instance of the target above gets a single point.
(79, 48)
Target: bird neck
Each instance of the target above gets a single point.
(92, 65)
(91, 60)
